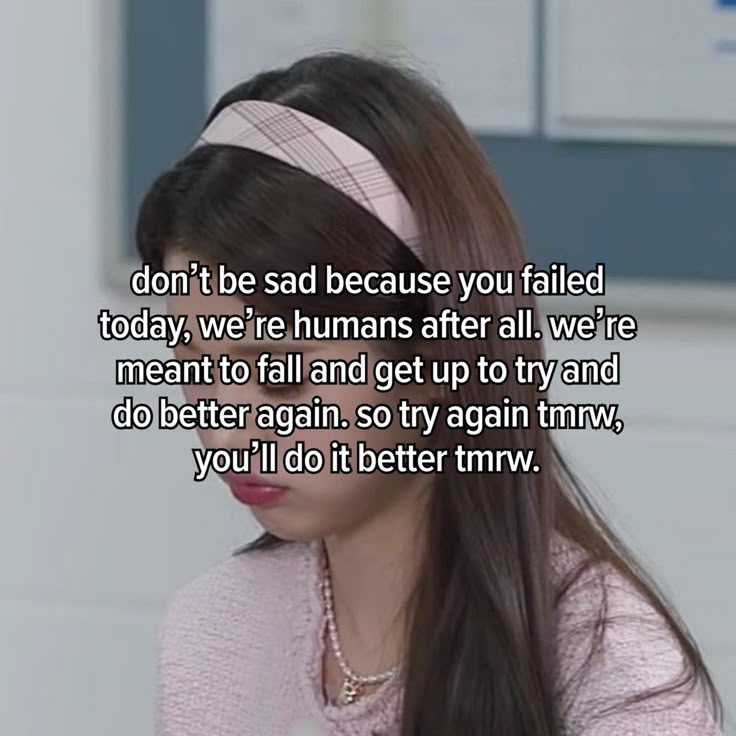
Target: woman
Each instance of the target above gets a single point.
(415, 604)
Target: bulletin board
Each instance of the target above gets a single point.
(641, 70)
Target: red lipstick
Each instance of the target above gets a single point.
(254, 490)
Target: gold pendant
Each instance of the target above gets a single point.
(350, 691)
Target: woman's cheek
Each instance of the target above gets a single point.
(193, 393)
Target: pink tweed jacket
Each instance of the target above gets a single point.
(240, 652)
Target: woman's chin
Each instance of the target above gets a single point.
(287, 525)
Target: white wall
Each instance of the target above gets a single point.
(98, 527)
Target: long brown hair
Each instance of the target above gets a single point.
(481, 638)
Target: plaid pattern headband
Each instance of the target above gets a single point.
(320, 150)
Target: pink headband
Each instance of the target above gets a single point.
(320, 150)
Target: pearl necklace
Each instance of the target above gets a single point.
(353, 683)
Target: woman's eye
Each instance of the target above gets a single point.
(284, 390)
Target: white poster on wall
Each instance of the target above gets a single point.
(641, 69)
(244, 38)
(482, 53)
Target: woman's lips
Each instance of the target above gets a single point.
(254, 490)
